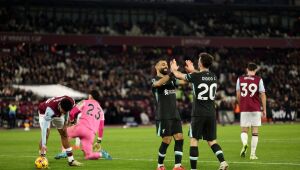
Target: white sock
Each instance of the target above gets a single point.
(177, 165)
(254, 142)
(77, 141)
(159, 165)
(244, 138)
(70, 158)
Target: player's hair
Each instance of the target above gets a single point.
(95, 94)
(252, 66)
(66, 104)
(206, 59)
(161, 59)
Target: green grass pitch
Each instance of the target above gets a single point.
(136, 149)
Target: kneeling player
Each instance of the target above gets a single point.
(91, 121)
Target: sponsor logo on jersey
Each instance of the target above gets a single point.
(168, 92)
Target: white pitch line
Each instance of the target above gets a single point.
(154, 160)
(234, 162)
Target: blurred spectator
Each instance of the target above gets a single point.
(12, 114)
(287, 108)
(203, 23)
(122, 75)
(224, 108)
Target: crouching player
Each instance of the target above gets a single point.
(91, 121)
(54, 110)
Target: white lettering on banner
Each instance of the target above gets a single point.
(21, 38)
(195, 42)
(280, 114)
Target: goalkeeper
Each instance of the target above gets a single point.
(91, 121)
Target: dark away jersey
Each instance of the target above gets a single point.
(165, 97)
(204, 91)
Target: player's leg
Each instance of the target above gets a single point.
(77, 139)
(178, 147)
(210, 135)
(254, 142)
(195, 133)
(255, 123)
(166, 140)
(87, 147)
(245, 123)
(72, 133)
(194, 153)
(216, 148)
(62, 130)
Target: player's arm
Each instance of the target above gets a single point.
(44, 126)
(174, 70)
(75, 111)
(97, 145)
(189, 67)
(160, 82)
(100, 131)
(263, 97)
(238, 92)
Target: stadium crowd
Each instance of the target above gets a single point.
(204, 23)
(123, 76)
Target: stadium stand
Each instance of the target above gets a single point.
(122, 73)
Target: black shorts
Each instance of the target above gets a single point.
(168, 127)
(204, 127)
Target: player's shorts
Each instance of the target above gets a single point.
(249, 119)
(168, 127)
(57, 122)
(204, 127)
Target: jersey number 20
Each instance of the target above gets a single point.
(207, 89)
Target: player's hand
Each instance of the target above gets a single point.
(189, 66)
(173, 65)
(43, 150)
(96, 147)
(264, 113)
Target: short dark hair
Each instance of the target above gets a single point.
(206, 59)
(95, 94)
(252, 66)
(66, 104)
(161, 59)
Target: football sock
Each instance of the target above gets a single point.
(77, 142)
(254, 142)
(162, 152)
(69, 154)
(218, 152)
(244, 138)
(194, 153)
(178, 148)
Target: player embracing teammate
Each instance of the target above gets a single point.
(203, 120)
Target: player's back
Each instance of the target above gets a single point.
(53, 104)
(204, 88)
(249, 87)
(91, 115)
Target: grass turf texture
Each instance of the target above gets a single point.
(137, 148)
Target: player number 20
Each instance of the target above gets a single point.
(252, 88)
(211, 90)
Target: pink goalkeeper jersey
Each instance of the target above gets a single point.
(91, 114)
